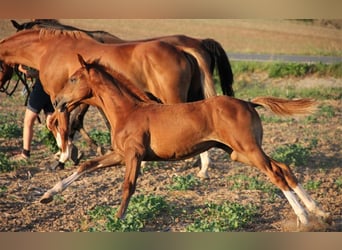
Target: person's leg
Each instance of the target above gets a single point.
(29, 120)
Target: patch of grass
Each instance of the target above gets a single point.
(285, 69)
(9, 130)
(338, 182)
(46, 137)
(100, 137)
(3, 189)
(241, 181)
(141, 209)
(249, 90)
(274, 119)
(291, 154)
(312, 185)
(184, 182)
(222, 217)
(241, 67)
(5, 164)
(244, 182)
(323, 114)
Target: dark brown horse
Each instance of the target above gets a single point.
(157, 67)
(146, 131)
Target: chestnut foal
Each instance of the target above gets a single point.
(147, 131)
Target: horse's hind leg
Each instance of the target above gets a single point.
(205, 162)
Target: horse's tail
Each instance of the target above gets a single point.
(284, 107)
(220, 58)
(207, 82)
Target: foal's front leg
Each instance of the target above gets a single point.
(59, 126)
(108, 160)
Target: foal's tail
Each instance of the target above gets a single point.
(220, 58)
(281, 106)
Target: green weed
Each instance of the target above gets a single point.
(244, 182)
(5, 165)
(10, 130)
(292, 154)
(184, 182)
(285, 69)
(141, 209)
(338, 182)
(241, 181)
(46, 137)
(312, 185)
(3, 189)
(100, 137)
(222, 217)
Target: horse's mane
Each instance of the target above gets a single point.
(54, 24)
(46, 33)
(122, 82)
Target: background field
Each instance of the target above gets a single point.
(182, 202)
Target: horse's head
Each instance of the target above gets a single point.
(36, 24)
(76, 89)
(6, 72)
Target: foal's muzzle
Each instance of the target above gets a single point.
(59, 104)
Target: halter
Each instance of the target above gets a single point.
(21, 78)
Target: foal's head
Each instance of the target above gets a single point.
(92, 80)
(77, 89)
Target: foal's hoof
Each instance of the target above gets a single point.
(47, 198)
(203, 175)
(75, 156)
(55, 166)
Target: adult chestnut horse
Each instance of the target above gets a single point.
(146, 131)
(208, 54)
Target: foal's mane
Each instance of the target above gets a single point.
(119, 80)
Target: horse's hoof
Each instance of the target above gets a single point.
(55, 166)
(47, 198)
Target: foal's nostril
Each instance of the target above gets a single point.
(55, 103)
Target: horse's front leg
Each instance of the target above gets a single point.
(133, 159)
(108, 160)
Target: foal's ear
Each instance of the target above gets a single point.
(82, 61)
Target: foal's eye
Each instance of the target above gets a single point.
(73, 80)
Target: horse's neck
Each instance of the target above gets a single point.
(26, 52)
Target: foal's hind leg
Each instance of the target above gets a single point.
(280, 176)
(310, 204)
(108, 160)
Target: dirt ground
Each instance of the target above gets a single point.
(20, 209)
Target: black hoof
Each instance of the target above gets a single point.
(75, 155)
(45, 200)
(55, 166)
